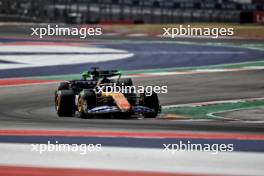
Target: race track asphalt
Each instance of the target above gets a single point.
(23, 107)
(33, 106)
(28, 112)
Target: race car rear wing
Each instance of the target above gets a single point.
(95, 74)
(105, 73)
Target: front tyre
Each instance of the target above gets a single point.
(86, 101)
(151, 102)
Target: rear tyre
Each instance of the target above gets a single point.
(86, 101)
(65, 103)
(151, 102)
(124, 82)
(64, 86)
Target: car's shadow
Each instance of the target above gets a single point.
(115, 117)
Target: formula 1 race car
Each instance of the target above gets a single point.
(89, 97)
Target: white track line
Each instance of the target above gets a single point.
(91, 55)
(213, 114)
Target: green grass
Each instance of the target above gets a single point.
(202, 112)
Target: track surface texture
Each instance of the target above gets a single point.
(33, 106)
(27, 115)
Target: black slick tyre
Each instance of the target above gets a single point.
(65, 103)
(151, 102)
(86, 101)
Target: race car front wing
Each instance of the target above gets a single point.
(114, 109)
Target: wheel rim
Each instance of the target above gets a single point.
(57, 103)
(80, 105)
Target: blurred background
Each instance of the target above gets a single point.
(132, 11)
(215, 86)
